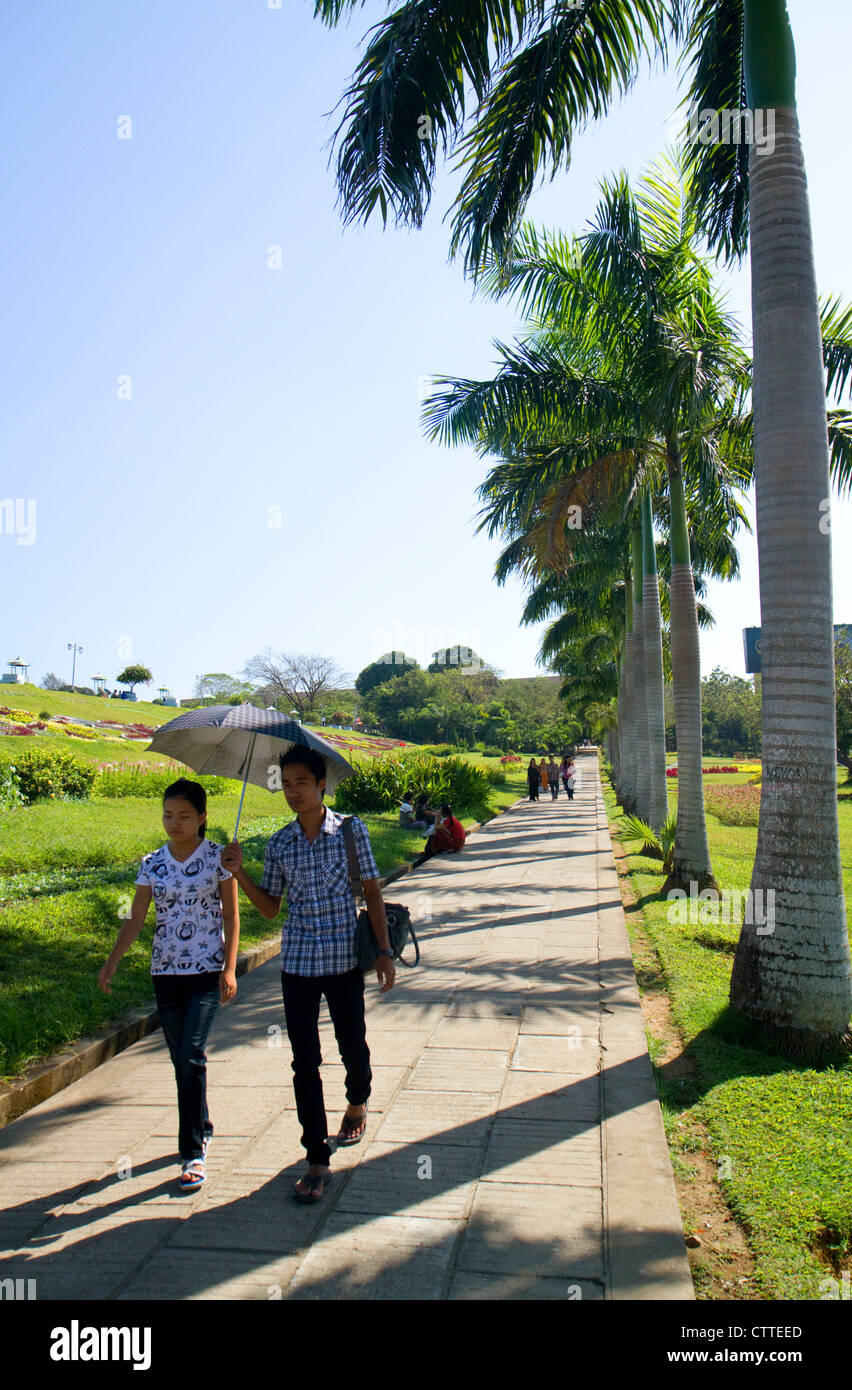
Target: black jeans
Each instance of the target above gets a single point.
(187, 1005)
(345, 997)
(554, 790)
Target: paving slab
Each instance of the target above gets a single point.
(529, 1228)
(383, 1257)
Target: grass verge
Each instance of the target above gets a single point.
(774, 1139)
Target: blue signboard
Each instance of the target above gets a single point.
(751, 644)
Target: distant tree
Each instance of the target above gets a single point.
(222, 688)
(731, 714)
(135, 675)
(463, 659)
(843, 690)
(51, 682)
(385, 669)
(298, 679)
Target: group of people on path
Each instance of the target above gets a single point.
(547, 775)
(193, 883)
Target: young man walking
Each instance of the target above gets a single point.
(308, 857)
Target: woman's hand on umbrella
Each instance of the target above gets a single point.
(232, 857)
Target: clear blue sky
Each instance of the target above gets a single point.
(256, 389)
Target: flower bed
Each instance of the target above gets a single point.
(373, 745)
(734, 805)
(20, 721)
(705, 771)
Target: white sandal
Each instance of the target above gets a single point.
(192, 1174)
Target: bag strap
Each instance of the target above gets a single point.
(352, 856)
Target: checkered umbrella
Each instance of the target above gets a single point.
(242, 741)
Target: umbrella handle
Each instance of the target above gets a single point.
(245, 781)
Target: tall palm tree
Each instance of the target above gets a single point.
(540, 69)
(629, 332)
(796, 976)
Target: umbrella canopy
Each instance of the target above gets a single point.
(243, 742)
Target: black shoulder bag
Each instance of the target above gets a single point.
(399, 918)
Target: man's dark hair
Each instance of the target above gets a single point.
(306, 757)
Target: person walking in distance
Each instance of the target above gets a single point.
(533, 779)
(563, 771)
(318, 958)
(570, 778)
(543, 774)
(553, 777)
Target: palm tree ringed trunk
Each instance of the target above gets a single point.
(652, 647)
(691, 863)
(628, 721)
(792, 969)
(643, 761)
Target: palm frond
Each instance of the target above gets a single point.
(718, 197)
(840, 449)
(567, 75)
(407, 96)
(836, 324)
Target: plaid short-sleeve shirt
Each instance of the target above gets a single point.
(318, 936)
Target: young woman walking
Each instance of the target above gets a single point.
(193, 956)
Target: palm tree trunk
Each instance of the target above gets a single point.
(691, 862)
(652, 646)
(628, 726)
(643, 762)
(795, 975)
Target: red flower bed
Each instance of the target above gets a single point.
(672, 771)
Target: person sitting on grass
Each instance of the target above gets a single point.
(193, 957)
(409, 819)
(446, 836)
(425, 813)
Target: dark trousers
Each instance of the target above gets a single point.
(554, 790)
(345, 997)
(186, 1005)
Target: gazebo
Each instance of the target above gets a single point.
(99, 684)
(17, 674)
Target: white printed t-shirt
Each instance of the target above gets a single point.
(189, 936)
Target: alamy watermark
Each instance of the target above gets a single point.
(706, 126)
(18, 518)
(709, 907)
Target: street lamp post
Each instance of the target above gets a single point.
(73, 646)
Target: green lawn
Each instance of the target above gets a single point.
(33, 698)
(785, 1130)
(66, 875)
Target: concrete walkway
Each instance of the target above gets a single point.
(515, 1147)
